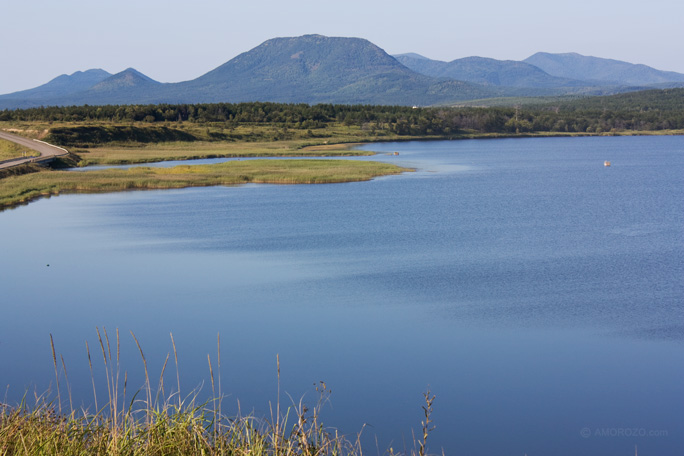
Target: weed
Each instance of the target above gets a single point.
(159, 424)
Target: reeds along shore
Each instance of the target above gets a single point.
(150, 421)
(28, 187)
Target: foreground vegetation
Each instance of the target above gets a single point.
(155, 423)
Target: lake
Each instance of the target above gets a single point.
(537, 293)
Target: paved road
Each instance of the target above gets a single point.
(47, 151)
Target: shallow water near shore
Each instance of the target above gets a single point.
(536, 292)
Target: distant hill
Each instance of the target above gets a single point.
(644, 101)
(128, 86)
(605, 71)
(61, 86)
(319, 69)
(127, 79)
(422, 65)
(65, 84)
(480, 70)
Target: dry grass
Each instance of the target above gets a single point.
(24, 188)
(156, 423)
(258, 140)
(11, 150)
(196, 150)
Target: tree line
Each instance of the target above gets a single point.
(577, 117)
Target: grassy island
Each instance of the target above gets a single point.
(26, 187)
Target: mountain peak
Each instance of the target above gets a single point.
(308, 56)
(322, 69)
(126, 79)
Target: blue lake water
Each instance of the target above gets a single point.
(537, 293)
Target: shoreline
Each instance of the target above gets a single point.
(25, 192)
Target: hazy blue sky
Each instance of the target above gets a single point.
(174, 40)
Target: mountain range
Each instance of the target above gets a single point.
(603, 71)
(317, 69)
(488, 72)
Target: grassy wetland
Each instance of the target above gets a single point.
(113, 144)
(26, 187)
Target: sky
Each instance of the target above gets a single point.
(174, 40)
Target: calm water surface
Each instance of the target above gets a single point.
(536, 292)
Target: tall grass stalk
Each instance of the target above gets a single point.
(175, 356)
(54, 361)
(159, 425)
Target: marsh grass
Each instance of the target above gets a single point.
(24, 188)
(154, 422)
(120, 155)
